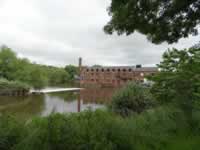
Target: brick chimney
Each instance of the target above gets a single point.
(80, 65)
(80, 62)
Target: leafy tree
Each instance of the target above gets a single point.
(38, 78)
(178, 81)
(22, 71)
(72, 71)
(58, 76)
(159, 20)
(134, 98)
(7, 62)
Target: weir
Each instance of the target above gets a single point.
(52, 90)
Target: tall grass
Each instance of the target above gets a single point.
(11, 132)
(155, 129)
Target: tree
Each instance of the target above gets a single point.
(72, 71)
(38, 78)
(7, 62)
(23, 70)
(178, 81)
(58, 76)
(159, 20)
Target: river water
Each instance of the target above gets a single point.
(62, 102)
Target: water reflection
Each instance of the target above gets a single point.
(22, 107)
(42, 105)
(58, 103)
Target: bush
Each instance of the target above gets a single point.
(134, 98)
(10, 87)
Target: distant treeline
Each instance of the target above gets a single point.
(35, 75)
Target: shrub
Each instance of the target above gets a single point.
(134, 98)
(10, 87)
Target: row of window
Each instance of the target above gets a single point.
(108, 70)
(141, 74)
(107, 80)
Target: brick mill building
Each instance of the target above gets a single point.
(112, 76)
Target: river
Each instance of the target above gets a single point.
(62, 102)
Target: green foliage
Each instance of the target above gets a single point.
(58, 76)
(154, 129)
(72, 71)
(23, 70)
(37, 76)
(190, 142)
(134, 98)
(88, 130)
(9, 87)
(7, 62)
(159, 20)
(178, 81)
(11, 132)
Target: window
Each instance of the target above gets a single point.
(97, 70)
(124, 70)
(87, 70)
(129, 69)
(108, 70)
(113, 70)
(102, 70)
(118, 70)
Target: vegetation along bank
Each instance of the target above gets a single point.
(17, 75)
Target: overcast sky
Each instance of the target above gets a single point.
(57, 32)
